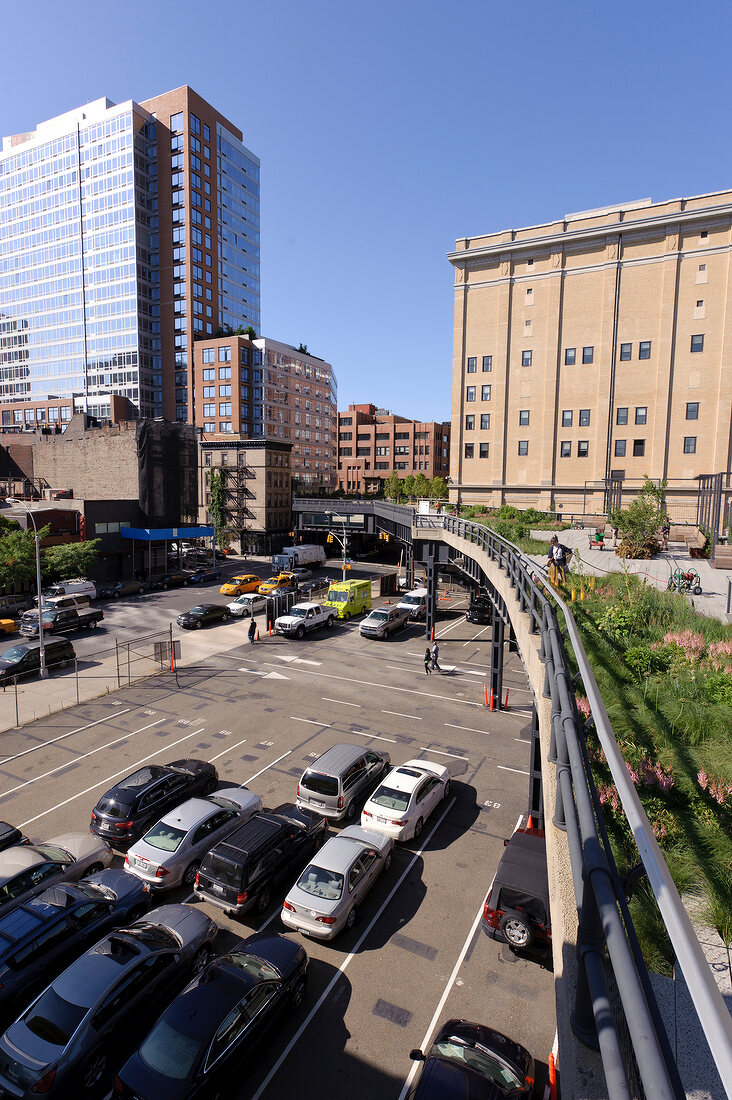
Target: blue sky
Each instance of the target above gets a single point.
(388, 130)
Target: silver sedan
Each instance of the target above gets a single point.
(324, 899)
(27, 869)
(171, 851)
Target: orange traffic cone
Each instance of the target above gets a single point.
(257, 637)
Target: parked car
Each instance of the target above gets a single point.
(24, 658)
(304, 617)
(241, 583)
(383, 621)
(42, 936)
(202, 1040)
(27, 869)
(516, 910)
(325, 898)
(335, 782)
(281, 580)
(116, 589)
(65, 620)
(110, 995)
(170, 580)
(170, 852)
(128, 808)
(300, 573)
(480, 610)
(10, 836)
(247, 605)
(241, 872)
(203, 614)
(14, 605)
(401, 804)
(472, 1060)
(8, 626)
(282, 590)
(205, 574)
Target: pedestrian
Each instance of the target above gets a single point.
(557, 561)
(252, 630)
(427, 659)
(665, 532)
(435, 655)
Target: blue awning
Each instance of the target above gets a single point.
(158, 534)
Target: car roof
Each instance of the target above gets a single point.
(335, 758)
(304, 606)
(86, 979)
(191, 813)
(406, 777)
(523, 864)
(248, 837)
(338, 853)
(133, 789)
(19, 858)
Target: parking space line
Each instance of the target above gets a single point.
(505, 768)
(398, 714)
(438, 753)
(61, 737)
(103, 782)
(468, 728)
(447, 629)
(391, 687)
(341, 702)
(310, 721)
(230, 749)
(360, 733)
(342, 968)
(475, 639)
(262, 770)
(522, 740)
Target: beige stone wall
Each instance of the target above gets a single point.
(100, 466)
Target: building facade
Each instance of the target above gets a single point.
(259, 388)
(257, 493)
(125, 231)
(592, 350)
(372, 442)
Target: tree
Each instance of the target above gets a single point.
(18, 556)
(438, 488)
(217, 509)
(303, 349)
(69, 559)
(639, 524)
(393, 486)
(421, 486)
(409, 486)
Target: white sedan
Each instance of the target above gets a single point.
(247, 604)
(405, 798)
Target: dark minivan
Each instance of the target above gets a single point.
(25, 658)
(239, 873)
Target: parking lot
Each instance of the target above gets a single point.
(262, 713)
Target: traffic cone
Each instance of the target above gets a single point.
(552, 1077)
(505, 705)
(257, 635)
(269, 625)
(432, 636)
(485, 693)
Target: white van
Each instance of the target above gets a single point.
(78, 586)
(415, 602)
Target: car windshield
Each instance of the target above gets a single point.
(53, 1019)
(165, 837)
(59, 855)
(337, 597)
(169, 1051)
(412, 600)
(478, 1058)
(298, 612)
(391, 799)
(379, 616)
(197, 611)
(321, 883)
(273, 580)
(15, 653)
(250, 964)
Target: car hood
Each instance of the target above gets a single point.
(80, 845)
(119, 882)
(192, 926)
(289, 620)
(238, 798)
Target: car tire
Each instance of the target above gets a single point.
(448, 786)
(185, 584)
(346, 615)
(516, 928)
(198, 626)
(140, 591)
(115, 595)
(201, 959)
(300, 633)
(94, 868)
(351, 811)
(387, 861)
(93, 625)
(298, 993)
(225, 617)
(189, 875)
(351, 918)
(263, 901)
(329, 621)
(418, 828)
(93, 1071)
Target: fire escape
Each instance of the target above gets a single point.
(238, 496)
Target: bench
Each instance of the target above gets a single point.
(723, 557)
(696, 542)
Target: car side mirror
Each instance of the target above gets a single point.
(416, 1055)
(505, 844)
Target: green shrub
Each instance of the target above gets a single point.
(617, 621)
(644, 660)
(719, 687)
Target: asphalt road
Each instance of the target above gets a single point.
(261, 713)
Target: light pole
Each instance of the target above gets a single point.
(343, 542)
(44, 670)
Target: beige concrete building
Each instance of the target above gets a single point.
(593, 349)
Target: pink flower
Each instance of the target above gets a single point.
(703, 780)
(583, 705)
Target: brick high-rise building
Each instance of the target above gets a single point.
(126, 231)
(372, 442)
(593, 351)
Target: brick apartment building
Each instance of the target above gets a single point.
(372, 442)
(257, 490)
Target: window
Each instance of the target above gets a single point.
(697, 343)
(487, 363)
(621, 416)
(225, 355)
(689, 444)
(626, 350)
(583, 448)
(588, 354)
(209, 391)
(209, 410)
(469, 449)
(526, 358)
(641, 414)
(524, 417)
(224, 372)
(584, 418)
(529, 296)
(639, 448)
(570, 357)
(472, 364)
(700, 303)
(469, 422)
(485, 393)
(209, 375)
(470, 393)
(523, 446)
(565, 449)
(176, 123)
(485, 421)
(704, 234)
(484, 450)
(644, 349)
(619, 448)
(692, 410)
(225, 391)
(567, 418)
(207, 355)
(224, 408)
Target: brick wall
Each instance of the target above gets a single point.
(100, 466)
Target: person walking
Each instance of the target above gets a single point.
(557, 561)
(252, 630)
(427, 659)
(435, 655)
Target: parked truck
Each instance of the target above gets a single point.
(292, 556)
(61, 620)
(304, 617)
(349, 598)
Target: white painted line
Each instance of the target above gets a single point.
(441, 1004)
(505, 768)
(342, 968)
(360, 733)
(442, 633)
(522, 740)
(230, 749)
(262, 770)
(472, 672)
(341, 702)
(310, 721)
(398, 714)
(468, 728)
(391, 687)
(438, 753)
(103, 782)
(61, 737)
(403, 668)
(83, 756)
(476, 636)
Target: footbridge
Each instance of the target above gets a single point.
(619, 1027)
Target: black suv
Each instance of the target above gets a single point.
(239, 873)
(480, 610)
(516, 910)
(124, 813)
(169, 580)
(24, 658)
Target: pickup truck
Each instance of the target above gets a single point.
(62, 621)
(302, 617)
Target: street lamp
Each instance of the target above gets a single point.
(343, 542)
(44, 670)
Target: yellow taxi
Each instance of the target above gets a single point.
(283, 580)
(237, 586)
